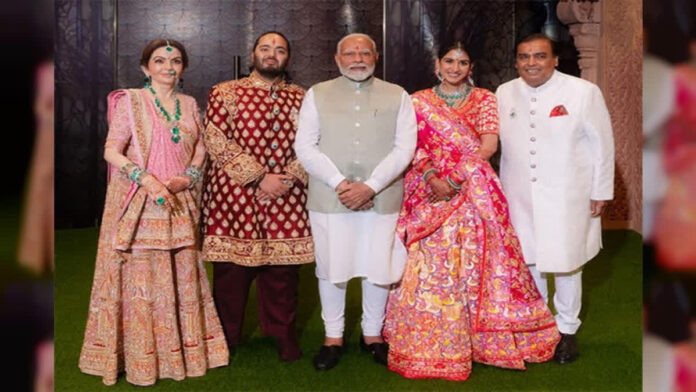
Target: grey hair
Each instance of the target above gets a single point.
(367, 37)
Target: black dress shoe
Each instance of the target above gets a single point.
(289, 349)
(566, 349)
(328, 357)
(379, 351)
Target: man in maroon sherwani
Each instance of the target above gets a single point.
(255, 221)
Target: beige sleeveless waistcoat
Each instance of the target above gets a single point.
(357, 122)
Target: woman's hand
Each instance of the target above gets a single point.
(177, 184)
(157, 190)
(440, 190)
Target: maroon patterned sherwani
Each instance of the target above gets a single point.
(250, 128)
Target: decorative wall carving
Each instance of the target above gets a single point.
(621, 70)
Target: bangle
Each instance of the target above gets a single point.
(429, 172)
(125, 167)
(136, 175)
(453, 184)
(195, 173)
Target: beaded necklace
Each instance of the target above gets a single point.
(174, 125)
(452, 99)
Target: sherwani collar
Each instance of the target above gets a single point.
(263, 84)
(544, 87)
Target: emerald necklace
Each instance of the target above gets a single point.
(173, 125)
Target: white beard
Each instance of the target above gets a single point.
(357, 76)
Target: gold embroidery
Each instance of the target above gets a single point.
(138, 280)
(294, 117)
(143, 129)
(217, 144)
(258, 252)
(243, 169)
(295, 168)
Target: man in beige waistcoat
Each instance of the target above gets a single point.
(356, 136)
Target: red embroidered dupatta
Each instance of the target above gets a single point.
(507, 299)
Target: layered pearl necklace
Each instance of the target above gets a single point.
(453, 98)
(173, 125)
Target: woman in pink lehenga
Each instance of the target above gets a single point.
(466, 294)
(151, 312)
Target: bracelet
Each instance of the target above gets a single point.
(125, 167)
(453, 184)
(427, 173)
(195, 173)
(136, 175)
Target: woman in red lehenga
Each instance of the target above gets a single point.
(151, 312)
(466, 294)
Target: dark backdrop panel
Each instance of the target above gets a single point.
(489, 28)
(83, 78)
(215, 31)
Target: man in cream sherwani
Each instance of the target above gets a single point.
(356, 136)
(557, 170)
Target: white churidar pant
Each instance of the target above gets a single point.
(333, 305)
(567, 299)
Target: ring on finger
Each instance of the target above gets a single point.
(160, 201)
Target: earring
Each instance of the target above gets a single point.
(470, 80)
(181, 83)
(147, 80)
(439, 75)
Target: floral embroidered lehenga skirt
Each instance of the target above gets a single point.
(151, 313)
(435, 317)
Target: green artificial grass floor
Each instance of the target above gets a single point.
(610, 337)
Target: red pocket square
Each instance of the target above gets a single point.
(559, 110)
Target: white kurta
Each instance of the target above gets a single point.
(551, 167)
(356, 244)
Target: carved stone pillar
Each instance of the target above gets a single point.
(583, 19)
